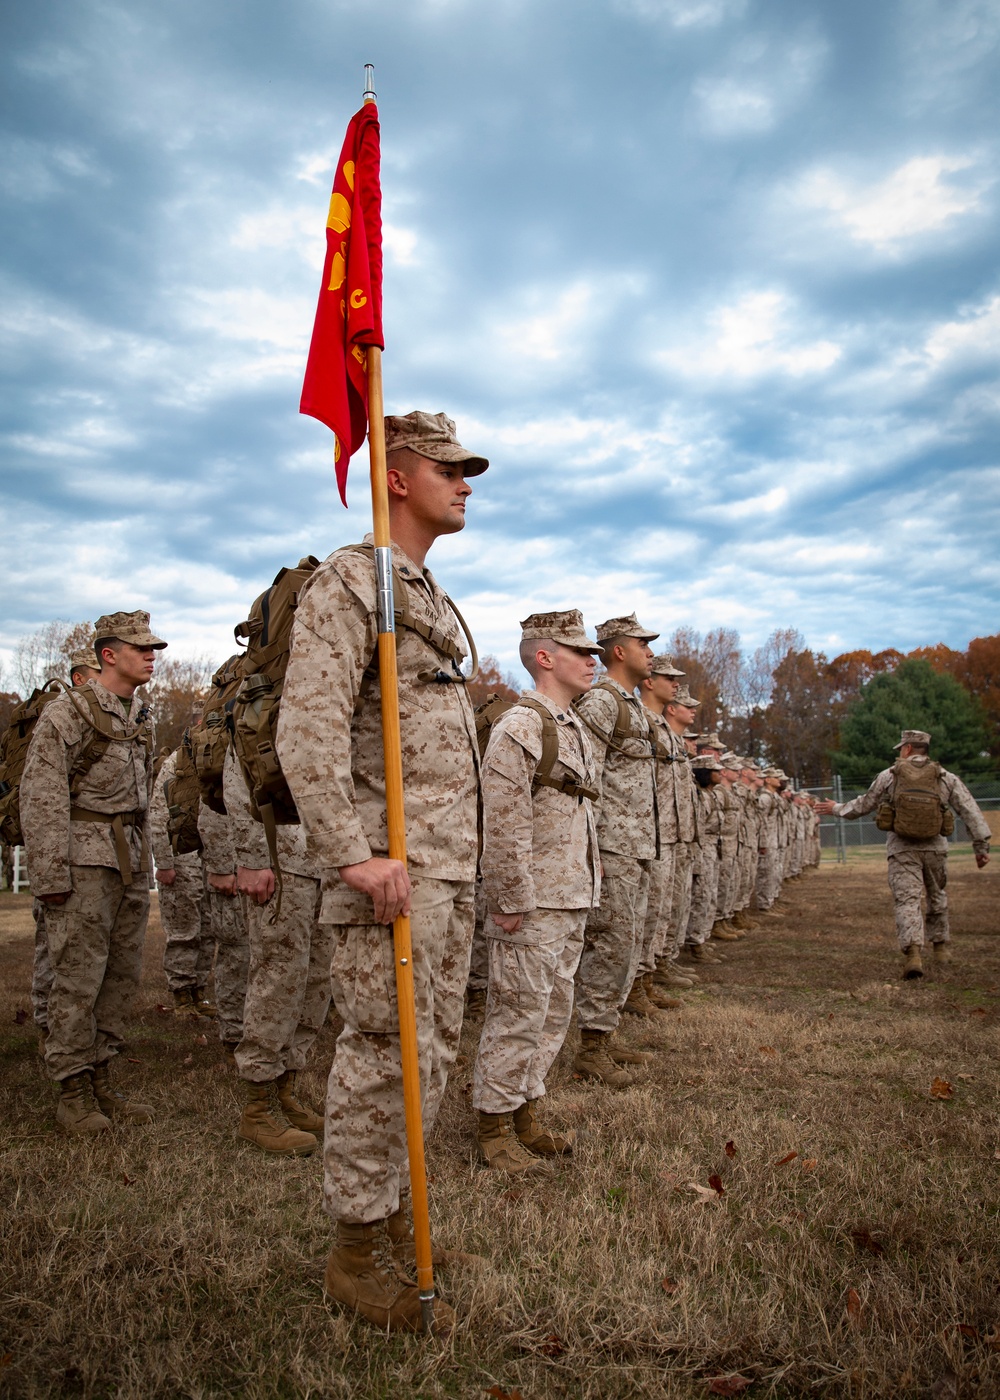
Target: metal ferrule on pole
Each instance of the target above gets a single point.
(383, 580)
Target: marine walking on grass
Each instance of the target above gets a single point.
(915, 800)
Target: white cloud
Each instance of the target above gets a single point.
(750, 337)
(683, 14)
(976, 335)
(730, 106)
(916, 198)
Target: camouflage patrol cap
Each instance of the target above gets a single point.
(131, 627)
(432, 435)
(913, 736)
(775, 773)
(685, 698)
(705, 760)
(712, 741)
(731, 760)
(85, 658)
(566, 628)
(624, 627)
(663, 665)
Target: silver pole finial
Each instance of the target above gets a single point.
(369, 93)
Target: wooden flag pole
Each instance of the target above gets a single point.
(392, 748)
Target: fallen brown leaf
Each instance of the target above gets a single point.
(767, 1049)
(864, 1239)
(979, 1011)
(966, 1329)
(706, 1194)
(553, 1345)
(941, 1089)
(201, 1040)
(7, 1358)
(729, 1385)
(853, 1307)
(128, 1180)
(730, 1148)
(164, 1010)
(669, 1285)
(784, 1161)
(809, 1164)
(499, 1393)
(187, 1059)
(992, 1339)
(130, 1060)
(715, 1181)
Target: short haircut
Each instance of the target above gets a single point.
(919, 748)
(79, 670)
(115, 643)
(607, 647)
(528, 650)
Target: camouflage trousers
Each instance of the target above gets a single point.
(748, 874)
(479, 961)
(685, 853)
(364, 1155)
(658, 904)
(288, 982)
(704, 893)
(912, 874)
(41, 970)
(612, 943)
(227, 914)
(189, 948)
(95, 948)
(528, 1008)
(728, 879)
(768, 878)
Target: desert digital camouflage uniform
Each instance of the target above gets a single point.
(189, 949)
(540, 858)
(228, 915)
(749, 837)
(330, 744)
(479, 959)
(686, 850)
(661, 870)
(705, 889)
(628, 835)
(921, 867)
(95, 939)
(769, 843)
(288, 982)
(729, 839)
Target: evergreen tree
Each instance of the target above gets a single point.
(913, 696)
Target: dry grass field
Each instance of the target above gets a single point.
(786, 1205)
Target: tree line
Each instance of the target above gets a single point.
(782, 702)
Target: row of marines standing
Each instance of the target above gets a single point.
(570, 858)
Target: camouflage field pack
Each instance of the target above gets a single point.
(16, 741)
(622, 728)
(210, 738)
(182, 792)
(916, 810)
(490, 711)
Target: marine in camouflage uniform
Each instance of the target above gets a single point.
(767, 839)
(541, 875)
(87, 841)
(84, 667)
(227, 910)
(189, 948)
(730, 821)
(330, 745)
(628, 833)
(920, 867)
(705, 891)
(679, 714)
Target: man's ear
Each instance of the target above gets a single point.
(397, 483)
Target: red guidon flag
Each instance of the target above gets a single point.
(349, 313)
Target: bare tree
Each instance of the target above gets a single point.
(176, 695)
(46, 653)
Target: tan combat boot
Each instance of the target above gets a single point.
(113, 1105)
(658, 996)
(942, 953)
(743, 921)
(201, 1003)
(183, 1003)
(364, 1275)
(541, 1141)
(669, 975)
(399, 1233)
(699, 953)
(502, 1149)
(722, 931)
(638, 1003)
(264, 1125)
(229, 1051)
(594, 1062)
(77, 1113)
(913, 963)
(621, 1056)
(293, 1109)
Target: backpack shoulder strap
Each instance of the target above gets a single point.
(621, 728)
(550, 753)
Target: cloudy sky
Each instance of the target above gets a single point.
(713, 283)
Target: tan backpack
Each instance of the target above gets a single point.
(490, 711)
(622, 728)
(16, 741)
(182, 792)
(915, 809)
(210, 738)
